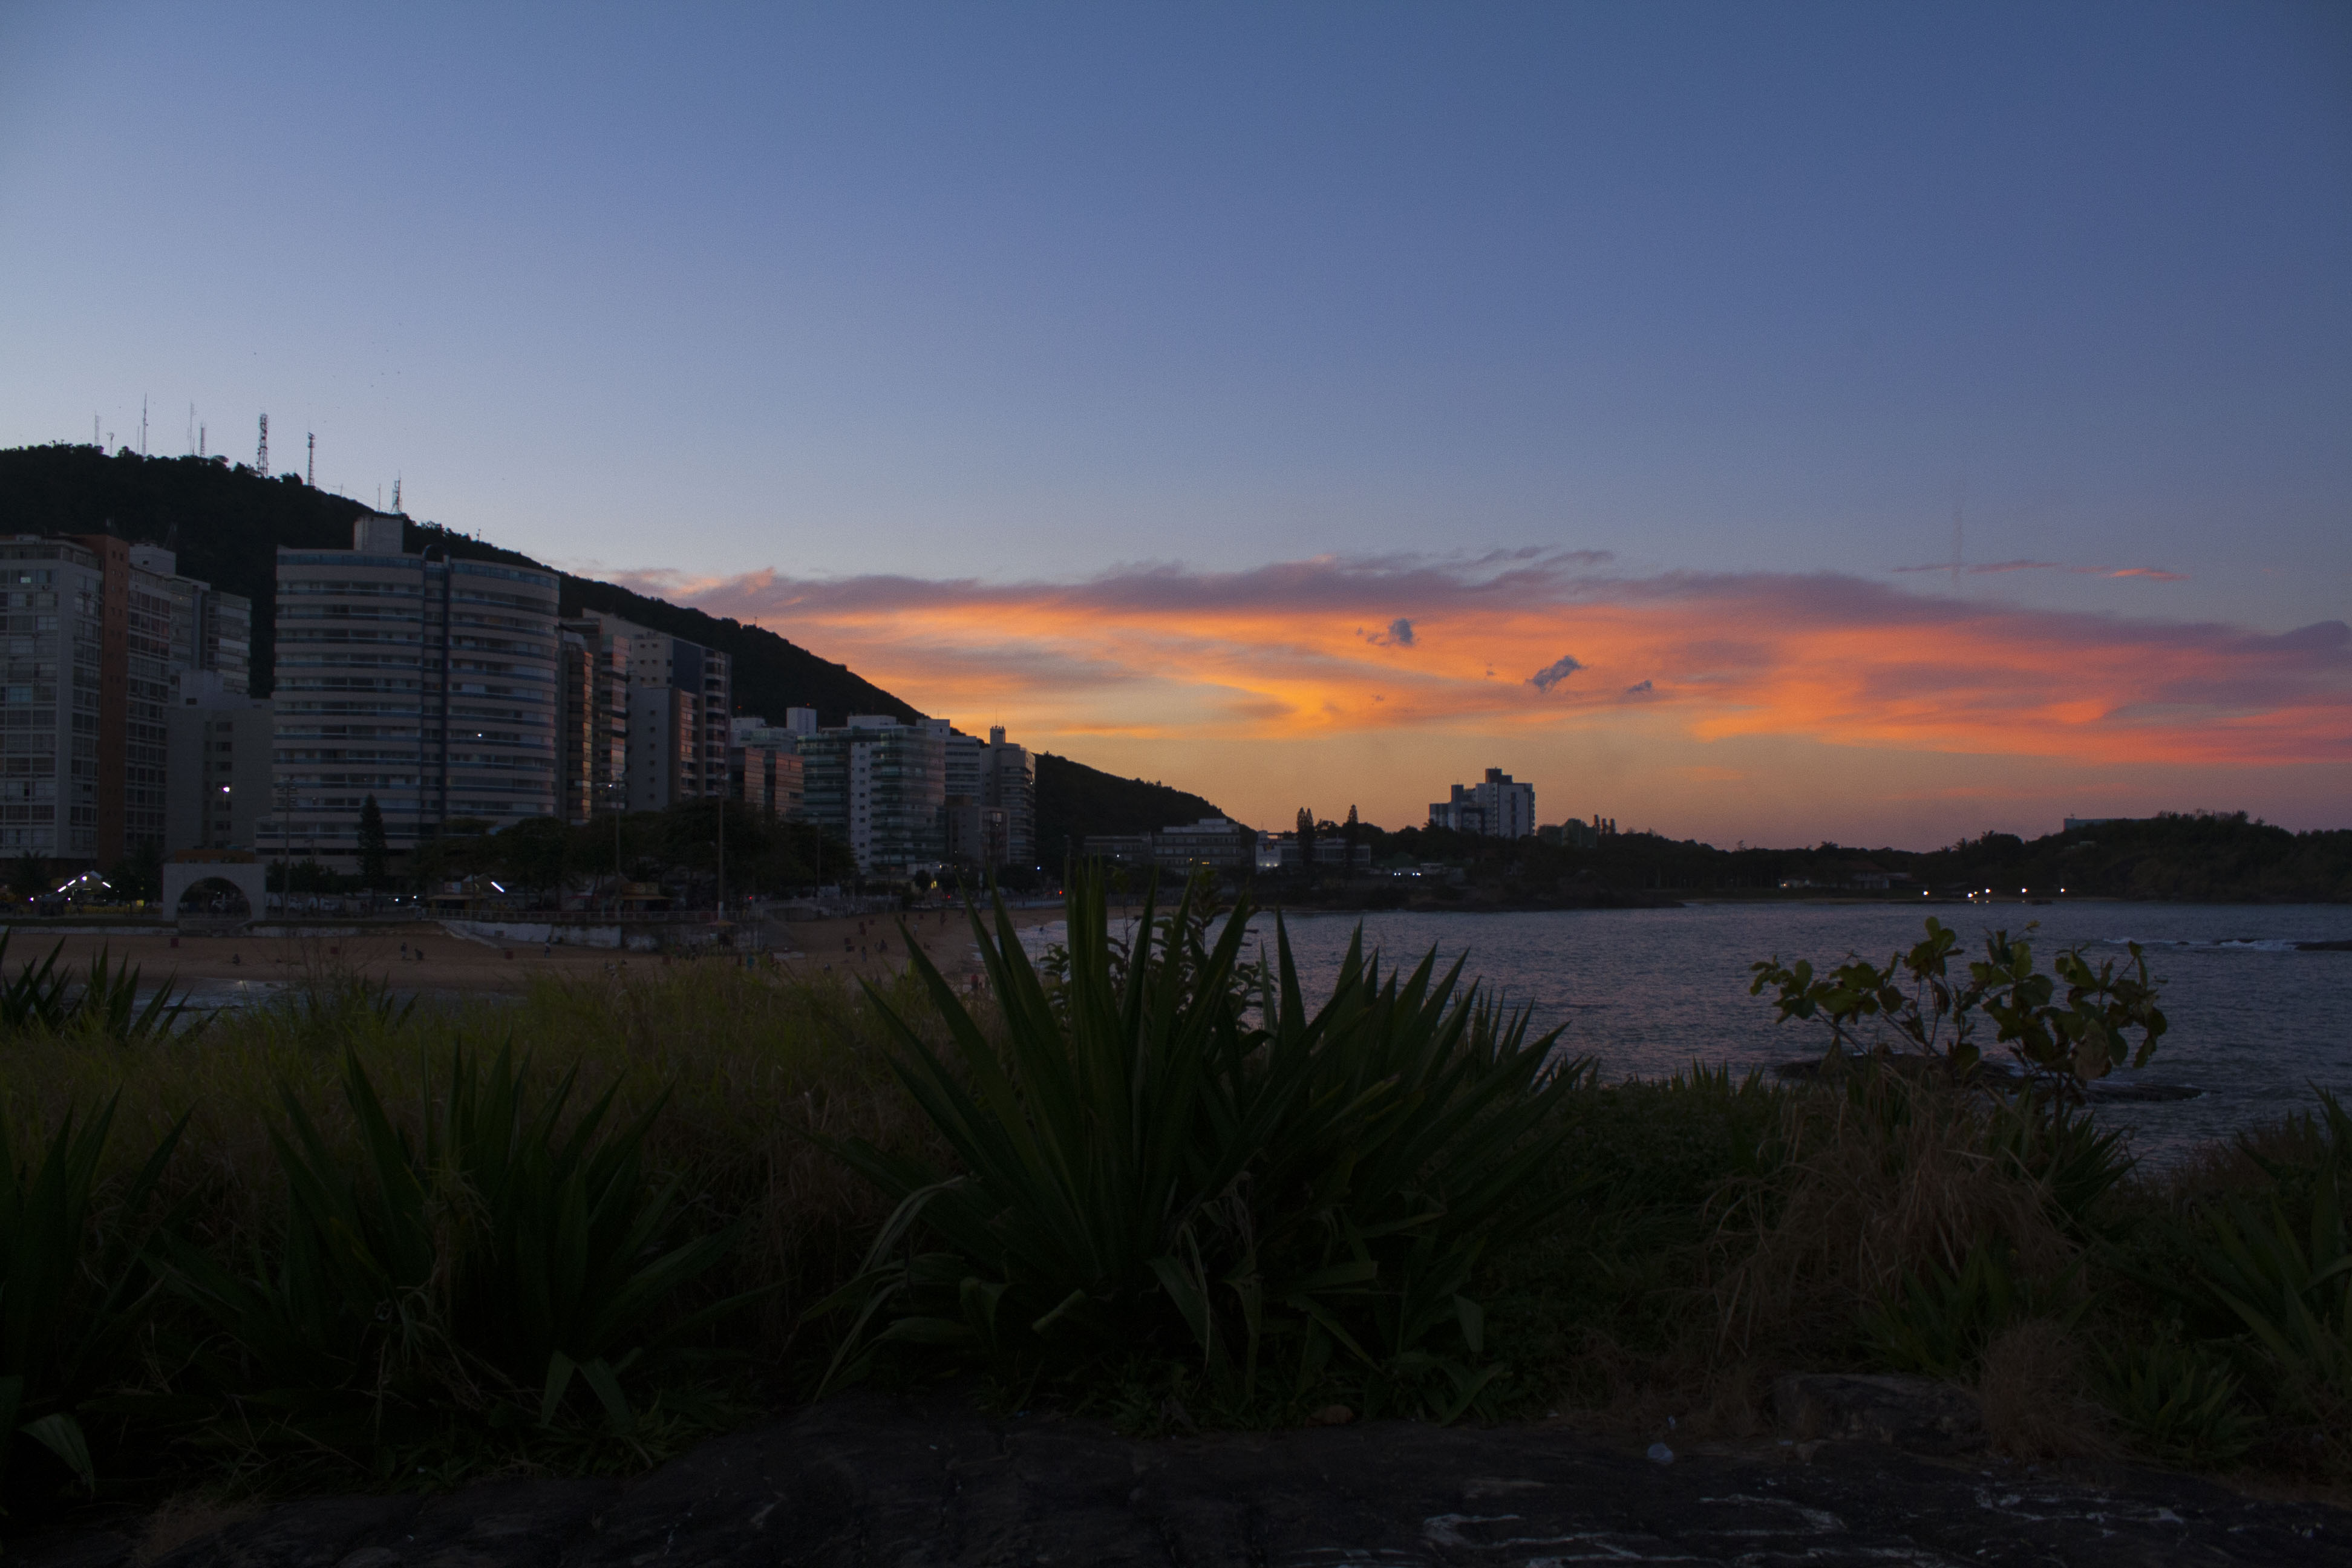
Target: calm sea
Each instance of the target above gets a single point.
(2255, 1021)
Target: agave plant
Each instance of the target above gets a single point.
(73, 1291)
(488, 1265)
(2181, 1400)
(1164, 1157)
(37, 998)
(44, 996)
(2290, 1283)
(109, 1005)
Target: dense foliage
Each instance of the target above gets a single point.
(2197, 856)
(343, 1238)
(1173, 1154)
(1074, 800)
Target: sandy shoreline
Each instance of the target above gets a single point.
(423, 956)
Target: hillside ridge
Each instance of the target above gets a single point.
(227, 522)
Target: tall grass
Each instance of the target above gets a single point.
(1159, 1181)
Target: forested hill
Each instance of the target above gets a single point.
(1074, 800)
(2202, 857)
(227, 522)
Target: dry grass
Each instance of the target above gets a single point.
(2233, 1165)
(189, 1517)
(1875, 1184)
(2036, 1405)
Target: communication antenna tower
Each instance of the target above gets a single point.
(200, 440)
(310, 464)
(261, 454)
(396, 493)
(143, 424)
(94, 439)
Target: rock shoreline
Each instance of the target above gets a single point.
(872, 1479)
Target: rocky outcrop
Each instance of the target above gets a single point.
(872, 1480)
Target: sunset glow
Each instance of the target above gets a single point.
(1518, 653)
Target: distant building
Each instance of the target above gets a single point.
(1280, 852)
(680, 708)
(431, 683)
(2075, 822)
(881, 784)
(96, 627)
(990, 800)
(1008, 783)
(1852, 876)
(211, 632)
(751, 730)
(764, 769)
(1499, 807)
(1213, 841)
(592, 739)
(1575, 835)
(218, 746)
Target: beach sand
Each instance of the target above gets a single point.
(424, 956)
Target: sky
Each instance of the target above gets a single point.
(1763, 424)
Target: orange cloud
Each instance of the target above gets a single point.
(1526, 642)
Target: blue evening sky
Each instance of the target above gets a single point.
(1026, 291)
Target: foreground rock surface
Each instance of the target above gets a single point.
(874, 1480)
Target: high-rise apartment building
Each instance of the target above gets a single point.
(430, 683)
(49, 707)
(96, 627)
(764, 769)
(1008, 782)
(680, 694)
(211, 631)
(991, 801)
(594, 741)
(1498, 808)
(218, 759)
(882, 786)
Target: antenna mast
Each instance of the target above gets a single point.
(310, 465)
(143, 424)
(261, 456)
(395, 495)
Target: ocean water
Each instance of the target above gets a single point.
(2255, 1021)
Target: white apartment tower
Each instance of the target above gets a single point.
(427, 682)
(1498, 808)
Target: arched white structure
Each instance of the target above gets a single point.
(192, 868)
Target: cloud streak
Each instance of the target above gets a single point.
(1279, 651)
(1994, 568)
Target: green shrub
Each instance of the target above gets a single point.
(1914, 1003)
(2287, 1274)
(489, 1270)
(1938, 1320)
(1165, 1159)
(2180, 1401)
